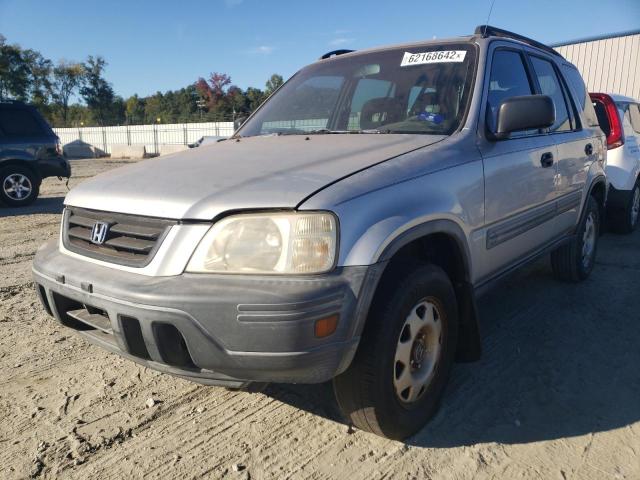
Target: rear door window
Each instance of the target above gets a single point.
(574, 79)
(18, 123)
(550, 85)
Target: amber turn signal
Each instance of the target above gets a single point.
(326, 326)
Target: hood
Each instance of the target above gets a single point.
(253, 173)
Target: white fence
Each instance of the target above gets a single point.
(151, 136)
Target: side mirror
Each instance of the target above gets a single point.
(237, 123)
(527, 112)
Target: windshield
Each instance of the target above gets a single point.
(420, 90)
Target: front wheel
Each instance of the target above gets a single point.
(574, 261)
(398, 376)
(18, 186)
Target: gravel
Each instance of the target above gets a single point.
(555, 395)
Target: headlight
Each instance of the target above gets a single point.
(268, 243)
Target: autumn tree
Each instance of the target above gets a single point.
(214, 89)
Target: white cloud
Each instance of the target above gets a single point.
(336, 42)
(262, 50)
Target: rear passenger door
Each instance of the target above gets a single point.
(576, 148)
(520, 172)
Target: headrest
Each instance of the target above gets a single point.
(380, 111)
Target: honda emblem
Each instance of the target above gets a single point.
(99, 233)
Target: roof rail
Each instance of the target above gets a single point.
(15, 102)
(489, 31)
(335, 53)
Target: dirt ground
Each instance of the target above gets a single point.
(555, 396)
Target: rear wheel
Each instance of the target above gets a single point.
(574, 261)
(398, 376)
(18, 186)
(626, 219)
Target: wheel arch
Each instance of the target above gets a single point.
(20, 163)
(442, 243)
(597, 190)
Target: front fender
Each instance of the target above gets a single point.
(375, 225)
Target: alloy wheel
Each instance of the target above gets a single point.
(17, 186)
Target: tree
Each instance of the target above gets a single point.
(255, 97)
(67, 77)
(40, 86)
(273, 83)
(14, 72)
(213, 90)
(134, 110)
(96, 91)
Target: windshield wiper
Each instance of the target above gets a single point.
(326, 131)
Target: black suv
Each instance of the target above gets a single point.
(29, 152)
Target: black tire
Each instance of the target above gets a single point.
(624, 220)
(29, 186)
(572, 262)
(366, 391)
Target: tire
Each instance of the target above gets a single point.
(19, 186)
(370, 392)
(626, 219)
(574, 261)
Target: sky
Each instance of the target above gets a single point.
(164, 45)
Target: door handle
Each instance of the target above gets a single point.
(588, 149)
(546, 160)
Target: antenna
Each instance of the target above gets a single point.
(486, 24)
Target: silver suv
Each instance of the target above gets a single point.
(346, 229)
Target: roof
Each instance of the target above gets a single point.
(622, 98)
(481, 32)
(597, 37)
(419, 43)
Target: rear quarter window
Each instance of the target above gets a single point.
(634, 114)
(574, 79)
(18, 123)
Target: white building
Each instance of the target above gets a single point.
(608, 63)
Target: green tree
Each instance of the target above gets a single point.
(273, 83)
(134, 110)
(40, 87)
(255, 97)
(96, 91)
(14, 72)
(67, 77)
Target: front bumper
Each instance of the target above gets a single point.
(214, 329)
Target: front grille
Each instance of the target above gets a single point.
(131, 240)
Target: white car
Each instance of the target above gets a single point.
(619, 118)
